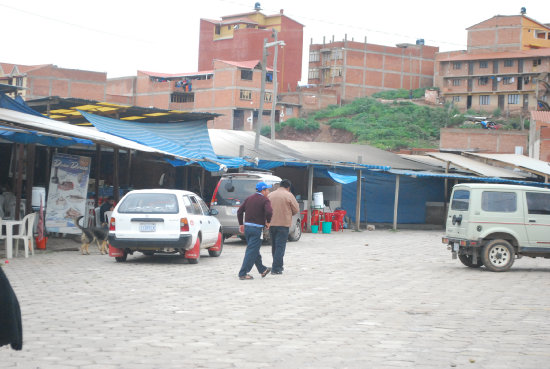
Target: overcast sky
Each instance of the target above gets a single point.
(121, 36)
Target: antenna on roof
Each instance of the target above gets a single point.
(257, 7)
(523, 10)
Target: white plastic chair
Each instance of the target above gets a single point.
(107, 216)
(25, 233)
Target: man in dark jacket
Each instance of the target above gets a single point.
(257, 213)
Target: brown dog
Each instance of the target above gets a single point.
(93, 234)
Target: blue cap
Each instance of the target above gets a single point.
(262, 186)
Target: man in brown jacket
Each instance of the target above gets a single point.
(284, 206)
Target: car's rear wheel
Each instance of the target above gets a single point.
(295, 236)
(197, 251)
(498, 255)
(122, 258)
(468, 261)
(216, 253)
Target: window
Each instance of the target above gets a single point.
(336, 54)
(513, 99)
(502, 202)
(484, 100)
(289, 111)
(336, 72)
(313, 74)
(245, 95)
(268, 97)
(538, 203)
(203, 206)
(314, 56)
(457, 65)
(218, 29)
(456, 82)
(536, 62)
(246, 74)
(540, 34)
(508, 80)
(483, 64)
(188, 206)
(461, 200)
(149, 203)
(508, 63)
(19, 81)
(456, 98)
(196, 206)
(182, 98)
(269, 77)
(482, 81)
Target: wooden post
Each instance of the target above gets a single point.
(446, 191)
(31, 149)
(396, 202)
(129, 173)
(19, 181)
(309, 196)
(115, 175)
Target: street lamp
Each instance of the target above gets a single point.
(262, 88)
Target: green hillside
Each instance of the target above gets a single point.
(390, 126)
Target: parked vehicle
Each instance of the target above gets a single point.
(164, 221)
(233, 189)
(492, 224)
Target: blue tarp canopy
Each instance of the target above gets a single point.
(18, 104)
(189, 140)
(24, 136)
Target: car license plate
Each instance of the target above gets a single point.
(147, 227)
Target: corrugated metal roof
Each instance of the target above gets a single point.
(475, 166)
(425, 159)
(541, 116)
(349, 153)
(519, 161)
(228, 142)
(461, 176)
(175, 75)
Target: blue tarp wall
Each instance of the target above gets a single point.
(378, 195)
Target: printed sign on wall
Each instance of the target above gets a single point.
(67, 192)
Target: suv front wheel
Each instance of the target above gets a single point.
(498, 255)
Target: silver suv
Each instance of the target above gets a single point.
(491, 224)
(232, 190)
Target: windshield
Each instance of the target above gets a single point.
(233, 192)
(149, 203)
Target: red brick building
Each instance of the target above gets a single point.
(482, 140)
(231, 89)
(42, 81)
(240, 37)
(357, 69)
(505, 67)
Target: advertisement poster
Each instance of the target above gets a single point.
(67, 192)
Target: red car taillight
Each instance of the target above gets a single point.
(184, 225)
(112, 226)
(214, 200)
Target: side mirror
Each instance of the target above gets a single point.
(213, 212)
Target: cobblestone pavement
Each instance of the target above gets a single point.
(377, 299)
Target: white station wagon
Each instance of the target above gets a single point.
(492, 224)
(164, 221)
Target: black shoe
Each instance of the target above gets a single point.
(276, 272)
(266, 272)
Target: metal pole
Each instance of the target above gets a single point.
(358, 203)
(309, 196)
(396, 203)
(262, 96)
(274, 96)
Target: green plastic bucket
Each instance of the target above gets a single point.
(327, 227)
(314, 228)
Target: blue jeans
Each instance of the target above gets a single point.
(279, 235)
(252, 254)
